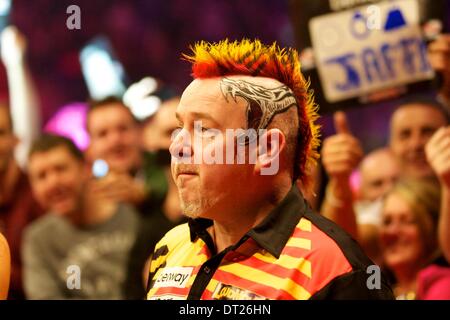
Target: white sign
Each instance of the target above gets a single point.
(369, 48)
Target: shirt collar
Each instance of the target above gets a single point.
(273, 232)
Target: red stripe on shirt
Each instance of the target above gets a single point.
(294, 274)
(255, 287)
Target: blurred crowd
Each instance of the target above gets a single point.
(60, 214)
(97, 214)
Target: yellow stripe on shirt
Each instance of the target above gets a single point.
(267, 279)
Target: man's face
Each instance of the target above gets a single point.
(114, 137)
(157, 134)
(208, 190)
(7, 139)
(379, 172)
(57, 179)
(411, 128)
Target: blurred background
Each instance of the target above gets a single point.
(148, 38)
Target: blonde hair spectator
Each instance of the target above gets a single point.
(409, 231)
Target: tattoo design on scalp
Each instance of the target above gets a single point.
(262, 103)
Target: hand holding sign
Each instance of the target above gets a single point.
(362, 51)
(439, 54)
(439, 57)
(341, 152)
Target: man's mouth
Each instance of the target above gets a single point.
(186, 174)
(59, 196)
(119, 152)
(183, 171)
(418, 159)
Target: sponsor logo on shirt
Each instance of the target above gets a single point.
(228, 292)
(168, 297)
(173, 277)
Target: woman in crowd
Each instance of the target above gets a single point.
(408, 233)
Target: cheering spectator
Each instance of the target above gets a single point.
(438, 55)
(412, 125)
(408, 232)
(157, 137)
(438, 155)
(134, 176)
(85, 238)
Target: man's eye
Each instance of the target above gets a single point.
(60, 168)
(40, 176)
(404, 134)
(428, 131)
(201, 129)
(208, 132)
(377, 183)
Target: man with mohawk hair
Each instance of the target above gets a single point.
(251, 234)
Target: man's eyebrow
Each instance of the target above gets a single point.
(202, 115)
(198, 115)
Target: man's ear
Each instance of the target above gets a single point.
(270, 146)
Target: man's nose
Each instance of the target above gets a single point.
(181, 146)
(418, 142)
(113, 138)
(387, 186)
(51, 181)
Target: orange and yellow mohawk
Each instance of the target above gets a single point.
(252, 58)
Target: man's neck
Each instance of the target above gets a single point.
(229, 231)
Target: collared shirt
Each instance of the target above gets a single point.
(292, 254)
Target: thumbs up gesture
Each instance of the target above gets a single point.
(342, 152)
(439, 57)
